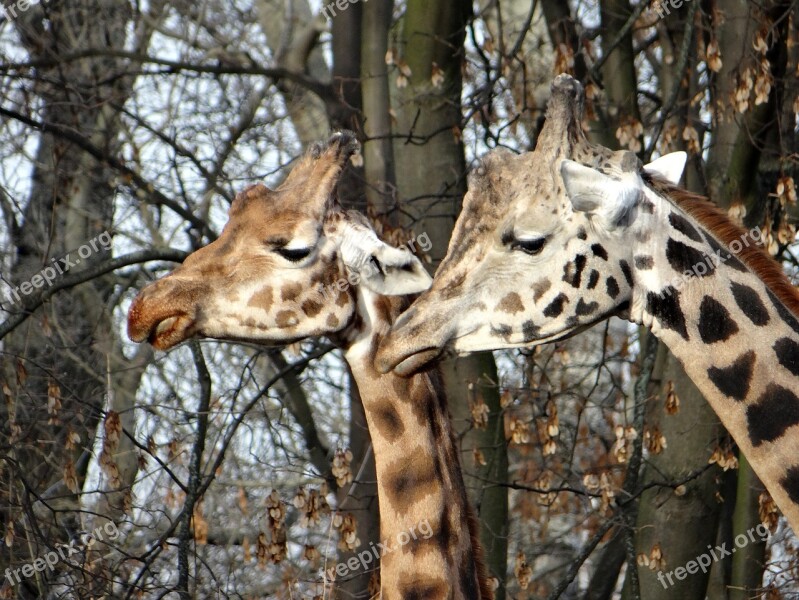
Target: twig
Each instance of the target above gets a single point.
(630, 487)
(104, 158)
(682, 62)
(193, 495)
(69, 281)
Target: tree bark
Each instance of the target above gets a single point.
(63, 351)
(378, 150)
(430, 157)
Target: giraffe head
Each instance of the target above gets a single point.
(542, 249)
(287, 266)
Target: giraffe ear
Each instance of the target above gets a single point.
(381, 268)
(596, 194)
(669, 167)
(395, 272)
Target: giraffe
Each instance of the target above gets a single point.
(553, 241)
(292, 264)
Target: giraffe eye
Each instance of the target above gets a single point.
(531, 247)
(294, 254)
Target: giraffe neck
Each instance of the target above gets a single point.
(735, 338)
(420, 486)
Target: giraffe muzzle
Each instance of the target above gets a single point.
(414, 363)
(161, 324)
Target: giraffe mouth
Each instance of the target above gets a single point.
(416, 362)
(169, 332)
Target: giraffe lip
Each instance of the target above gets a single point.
(169, 332)
(417, 361)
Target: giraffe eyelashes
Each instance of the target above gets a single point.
(531, 247)
(294, 255)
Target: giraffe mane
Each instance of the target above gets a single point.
(716, 222)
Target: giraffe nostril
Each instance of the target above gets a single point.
(405, 318)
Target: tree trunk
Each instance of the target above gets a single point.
(682, 526)
(430, 159)
(67, 356)
(378, 149)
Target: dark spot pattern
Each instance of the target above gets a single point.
(429, 589)
(593, 279)
(682, 225)
(788, 354)
(684, 259)
(286, 318)
(468, 575)
(612, 287)
(511, 303)
(555, 307)
(628, 274)
(750, 303)
(573, 270)
(540, 288)
(311, 307)
(503, 331)
(409, 479)
(715, 323)
(784, 313)
(584, 308)
(529, 331)
(665, 307)
(290, 292)
(387, 420)
(644, 263)
(440, 538)
(411, 392)
(262, 299)
(599, 250)
(776, 411)
(647, 206)
(791, 483)
(725, 256)
(581, 234)
(734, 381)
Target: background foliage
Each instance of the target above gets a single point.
(242, 472)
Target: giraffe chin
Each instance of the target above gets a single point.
(170, 332)
(416, 362)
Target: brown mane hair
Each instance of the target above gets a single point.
(716, 222)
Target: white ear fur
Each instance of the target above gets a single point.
(382, 268)
(669, 166)
(597, 194)
(587, 188)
